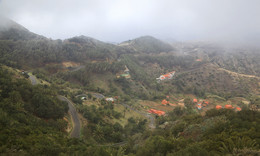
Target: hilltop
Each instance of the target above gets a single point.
(147, 44)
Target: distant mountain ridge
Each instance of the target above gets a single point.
(34, 50)
(147, 44)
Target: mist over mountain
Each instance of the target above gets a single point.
(82, 47)
(12, 30)
(217, 20)
(147, 44)
(79, 95)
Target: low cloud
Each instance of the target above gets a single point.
(119, 20)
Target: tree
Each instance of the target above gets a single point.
(188, 103)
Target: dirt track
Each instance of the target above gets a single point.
(238, 74)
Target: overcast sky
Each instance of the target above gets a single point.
(120, 20)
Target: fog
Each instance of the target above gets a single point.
(120, 20)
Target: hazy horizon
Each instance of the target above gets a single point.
(121, 20)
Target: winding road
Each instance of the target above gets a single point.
(33, 79)
(98, 96)
(75, 133)
(78, 68)
(149, 116)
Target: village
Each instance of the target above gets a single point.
(165, 105)
(170, 102)
(201, 105)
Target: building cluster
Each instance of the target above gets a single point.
(228, 107)
(167, 76)
(200, 103)
(125, 74)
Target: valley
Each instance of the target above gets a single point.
(82, 96)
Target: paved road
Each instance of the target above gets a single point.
(78, 68)
(98, 96)
(33, 79)
(149, 116)
(191, 69)
(81, 95)
(76, 122)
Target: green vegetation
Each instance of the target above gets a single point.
(220, 132)
(100, 127)
(32, 117)
(148, 44)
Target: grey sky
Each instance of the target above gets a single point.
(120, 20)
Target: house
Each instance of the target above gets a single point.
(83, 98)
(167, 76)
(127, 76)
(157, 112)
(126, 73)
(238, 109)
(205, 103)
(218, 107)
(165, 102)
(199, 106)
(229, 107)
(110, 99)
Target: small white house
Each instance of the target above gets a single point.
(83, 98)
(110, 99)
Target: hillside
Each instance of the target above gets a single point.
(243, 60)
(117, 92)
(107, 59)
(10, 30)
(24, 110)
(147, 44)
(202, 66)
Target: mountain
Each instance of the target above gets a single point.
(100, 57)
(244, 60)
(89, 41)
(10, 30)
(147, 44)
(114, 89)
